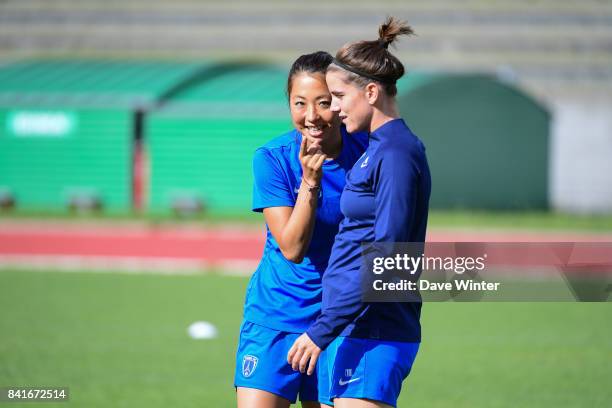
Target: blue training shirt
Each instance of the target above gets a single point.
(283, 295)
(386, 199)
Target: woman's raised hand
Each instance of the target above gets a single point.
(312, 159)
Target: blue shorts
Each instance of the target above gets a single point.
(366, 368)
(261, 363)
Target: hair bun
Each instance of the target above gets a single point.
(370, 60)
(390, 29)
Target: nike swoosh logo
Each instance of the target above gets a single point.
(349, 381)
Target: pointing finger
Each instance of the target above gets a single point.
(302, 148)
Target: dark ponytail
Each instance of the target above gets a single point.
(367, 61)
(316, 62)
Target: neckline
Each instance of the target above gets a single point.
(380, 131)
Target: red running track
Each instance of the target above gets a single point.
(22, 242)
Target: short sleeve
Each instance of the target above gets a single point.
(270, 184)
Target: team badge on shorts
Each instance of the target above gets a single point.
(249, 364)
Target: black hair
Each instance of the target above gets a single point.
(316, 62)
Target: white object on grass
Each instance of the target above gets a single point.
(202, 330)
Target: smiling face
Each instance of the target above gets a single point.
(310, 103)
(349, 101)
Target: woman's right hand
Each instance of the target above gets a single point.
(311, 159)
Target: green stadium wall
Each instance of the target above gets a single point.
(200, 143)
(487, 142)
(94, 158)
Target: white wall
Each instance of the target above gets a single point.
(581, 156)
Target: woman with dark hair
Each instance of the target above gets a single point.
(298, 179)
(370, 347)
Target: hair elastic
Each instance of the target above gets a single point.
(383, 43)
(361, 73)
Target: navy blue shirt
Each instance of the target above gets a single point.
(386, 199)
(283, 295)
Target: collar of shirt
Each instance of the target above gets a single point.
(387, 129)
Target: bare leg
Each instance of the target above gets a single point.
(254, 398)
(358, 403)
(314, 404)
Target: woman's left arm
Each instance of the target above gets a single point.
(395, 195)
(394, 182)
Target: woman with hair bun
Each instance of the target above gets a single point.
(370, 347)
(298, 179)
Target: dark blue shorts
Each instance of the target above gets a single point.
(261, 363)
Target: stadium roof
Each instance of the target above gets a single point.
(99, 83)
(233, 90)
(447, 81)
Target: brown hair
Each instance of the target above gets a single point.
(367, 61)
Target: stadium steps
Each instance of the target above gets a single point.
(549, 45)
(449, 32)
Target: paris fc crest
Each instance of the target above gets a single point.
(249, 364)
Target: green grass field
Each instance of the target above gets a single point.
(119, 340)
(462, 219)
